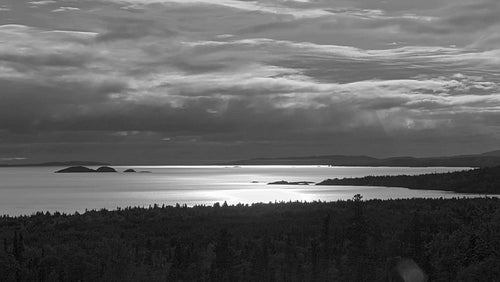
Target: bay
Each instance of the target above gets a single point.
(27, 190)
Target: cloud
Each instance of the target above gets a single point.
(65, 9)
(273, 74)
(460, 23)
(263, 86)
(42, 3)
(132, 28)
(28, 46)
(271, 7)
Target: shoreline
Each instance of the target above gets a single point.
(216, 205)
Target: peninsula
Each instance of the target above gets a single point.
(482, 181)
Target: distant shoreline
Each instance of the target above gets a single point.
(487, 159)
(54, 164)
(224, 204)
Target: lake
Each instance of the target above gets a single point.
(29, 189)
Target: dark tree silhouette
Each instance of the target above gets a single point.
(355, 240)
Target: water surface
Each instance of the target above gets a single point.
(30, 189)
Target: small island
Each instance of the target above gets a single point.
(283, 182)
(105, 169)
(83, 169)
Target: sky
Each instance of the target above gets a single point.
(207, 81)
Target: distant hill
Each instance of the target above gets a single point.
(310, 160)
(482, 180)
(69, 163)
(492, 153)
(488, 159)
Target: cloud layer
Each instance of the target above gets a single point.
(183, 81)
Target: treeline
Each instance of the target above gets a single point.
(450, 240)
(483, 180)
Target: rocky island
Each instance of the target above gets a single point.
(83, 169)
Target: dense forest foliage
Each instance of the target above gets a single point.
(483, 180)
(356, 240)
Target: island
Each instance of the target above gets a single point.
(283, 182)
(74, 169)
(83, 169)
(129, 170)
(105, 169)
(480, 181)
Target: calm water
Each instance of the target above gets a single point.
(26, 190)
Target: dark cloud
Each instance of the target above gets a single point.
(174, 82)
(28, 105)
(20, 61)
(280, 25)
(128, 28)
(477, 19)
(459, 19)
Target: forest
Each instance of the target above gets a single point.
(482, 180)
(354, 240)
